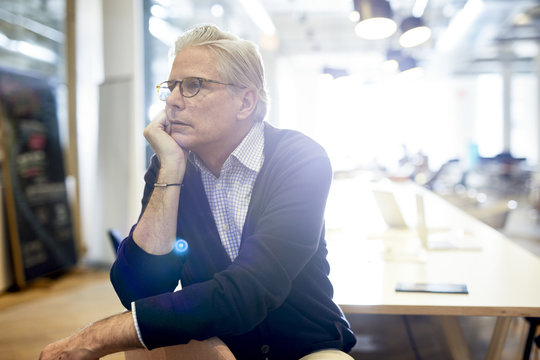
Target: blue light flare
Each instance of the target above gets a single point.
(181, 247)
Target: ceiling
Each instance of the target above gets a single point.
(323, 26)
(497, 33)
(496, 30)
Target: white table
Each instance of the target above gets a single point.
(368, 259)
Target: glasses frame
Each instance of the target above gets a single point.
(180, 82)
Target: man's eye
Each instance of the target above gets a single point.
(191, 85)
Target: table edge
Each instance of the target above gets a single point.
(440, 310)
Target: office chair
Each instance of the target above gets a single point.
(533, 324)
(116, 238)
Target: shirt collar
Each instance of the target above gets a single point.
(248, 153)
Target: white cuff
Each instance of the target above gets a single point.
(134, 314)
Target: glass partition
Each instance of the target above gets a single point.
(32, 36)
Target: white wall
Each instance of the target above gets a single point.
(109, 118)
(89, 41)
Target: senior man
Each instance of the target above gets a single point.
(247, 202)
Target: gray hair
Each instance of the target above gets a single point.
(238, 60)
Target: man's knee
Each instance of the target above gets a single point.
(329, 354)
(210, 349)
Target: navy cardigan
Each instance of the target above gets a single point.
(275, 300)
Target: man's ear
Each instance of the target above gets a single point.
(249, 99)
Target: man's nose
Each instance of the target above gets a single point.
(176, 98)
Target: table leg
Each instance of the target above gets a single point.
(498, 338)
(454, 337)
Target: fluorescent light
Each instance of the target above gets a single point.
(163, 31)
(164, 3)
(259, 15)
(158, 11)
(4, 41)
(419, 8)
(459, 25)
(34, 51)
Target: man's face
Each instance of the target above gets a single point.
(206, 122)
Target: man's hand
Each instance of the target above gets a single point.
(107, 336)
(67, 349)
(158, 135)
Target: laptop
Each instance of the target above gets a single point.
(442, 239)
(431, 239)
(389, 208)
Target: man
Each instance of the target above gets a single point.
(247, 200)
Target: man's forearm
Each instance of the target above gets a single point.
(113, 334)
(110, 335)
(156, 230)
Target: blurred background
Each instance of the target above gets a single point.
(443, 92)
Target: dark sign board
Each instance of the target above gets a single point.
(38, 213)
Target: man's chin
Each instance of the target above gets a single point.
(181, 140)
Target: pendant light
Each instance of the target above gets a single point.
(375, 19)
(414, 32)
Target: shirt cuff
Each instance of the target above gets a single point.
(134, 314)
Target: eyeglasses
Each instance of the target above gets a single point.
(189, 87)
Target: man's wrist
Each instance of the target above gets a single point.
(165, 185)
(170, 176)
(113, 334)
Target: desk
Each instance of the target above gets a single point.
(502, 278)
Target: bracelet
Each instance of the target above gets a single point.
(164, 185)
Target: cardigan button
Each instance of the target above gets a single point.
(265, 349)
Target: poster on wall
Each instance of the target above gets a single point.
(39, 220)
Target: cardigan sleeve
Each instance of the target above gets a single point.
(136, 274)
(282, 232)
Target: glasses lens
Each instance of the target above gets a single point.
(190, 86)
(164, 91)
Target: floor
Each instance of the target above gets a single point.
(386, 337)
(52, 309)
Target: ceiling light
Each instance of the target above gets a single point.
(158, 11)
(460, 25)
(354, 16)
(217, 10)
(163, 30)
(419, 7)
(523, 19)
(35, 51)
(414, 32)
(375, 19)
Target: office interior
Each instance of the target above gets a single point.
(456, 112)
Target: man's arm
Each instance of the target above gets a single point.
(107, 336)
(155, 232)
